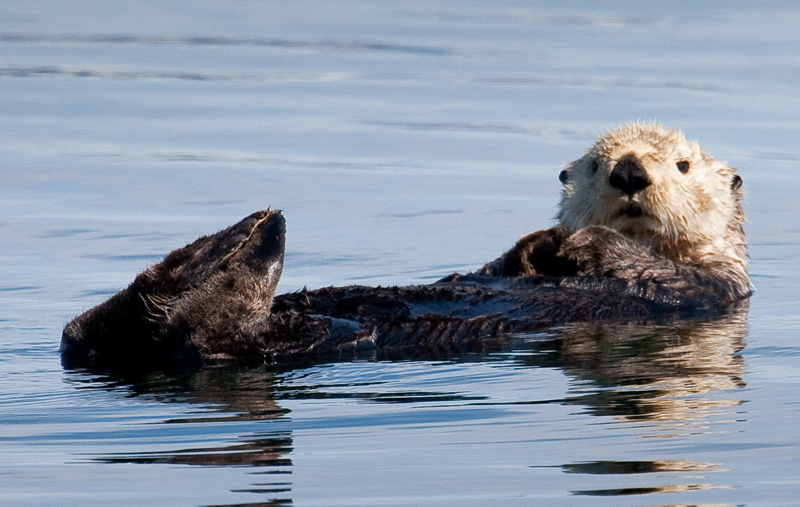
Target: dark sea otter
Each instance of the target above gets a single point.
(650, 228)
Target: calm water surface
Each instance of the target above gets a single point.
(404, 141)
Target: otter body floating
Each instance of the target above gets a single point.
(635, 243)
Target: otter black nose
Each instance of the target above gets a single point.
(629, 175)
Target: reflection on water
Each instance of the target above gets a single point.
(640, 467)
(663, 380)
(234, 394)
(662, 467)
(672, 488)
(258, 451)
(660, 373)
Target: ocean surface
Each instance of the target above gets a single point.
(403, 141)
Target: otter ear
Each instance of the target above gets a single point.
(574, 166)
(736, 183)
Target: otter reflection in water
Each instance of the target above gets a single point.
(650, 226)
(656, 380)
(657, 373)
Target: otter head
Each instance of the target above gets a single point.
(651, 184)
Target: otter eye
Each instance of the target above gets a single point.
(683, 166)
(563, 176)
(594, 166)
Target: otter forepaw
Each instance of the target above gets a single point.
(599, 251)
(535, 254)
(545, 255)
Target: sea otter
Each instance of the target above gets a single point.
(643, 203)
(649, 226)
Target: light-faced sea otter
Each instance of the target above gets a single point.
(650, 227)
(643, 203)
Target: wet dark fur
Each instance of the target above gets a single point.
(214, 299)
(601, 253)
(184, 308)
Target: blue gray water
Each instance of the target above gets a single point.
(404, 141)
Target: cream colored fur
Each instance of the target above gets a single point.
(694, 217)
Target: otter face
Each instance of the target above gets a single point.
(651, 184)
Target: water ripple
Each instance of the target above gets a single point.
(84, 72)
(608, 83)
(481, 127)
(205, 40)
(259, 451)
(668, 488)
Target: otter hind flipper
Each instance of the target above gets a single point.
(207, 299)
